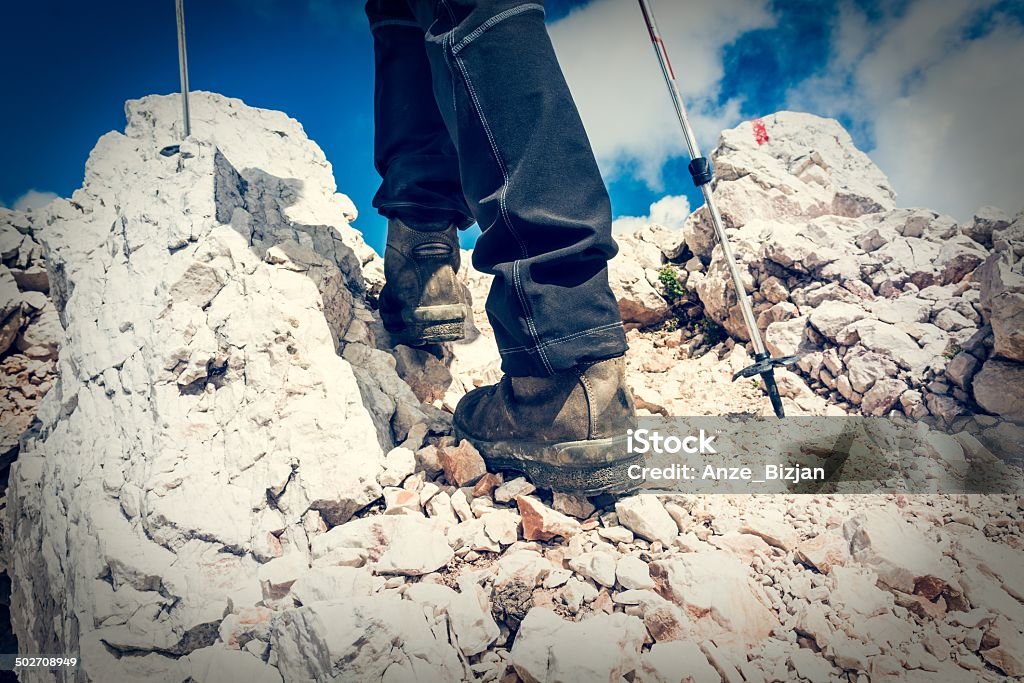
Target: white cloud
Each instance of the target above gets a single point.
(942, 109)
(613, 73)
(670, 211)
(33, 199)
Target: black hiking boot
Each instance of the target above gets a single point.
(566, 432)
(422, 302)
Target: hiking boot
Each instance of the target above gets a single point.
(566, 432)
(422, 301)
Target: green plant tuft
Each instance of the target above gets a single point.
(673, 288)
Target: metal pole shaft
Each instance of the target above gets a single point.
(183, 65)
(691, 144)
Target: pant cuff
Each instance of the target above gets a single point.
(563, 353)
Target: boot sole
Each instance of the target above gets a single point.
(611, 476)
(429, 325)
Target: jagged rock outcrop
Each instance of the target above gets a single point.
(202, 416)
(30, 332)
(890, 308)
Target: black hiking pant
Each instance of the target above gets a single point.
(474, 121)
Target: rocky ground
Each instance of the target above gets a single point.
(234, 475)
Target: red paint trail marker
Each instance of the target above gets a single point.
(760, 133)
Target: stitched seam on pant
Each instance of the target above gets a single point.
(496, 19)
(516, 282)
(447, 62)
(559, 340)
(409, 23)
(529, 318)
(390, 204)
(497, 157)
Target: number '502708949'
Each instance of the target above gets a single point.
(44, 661)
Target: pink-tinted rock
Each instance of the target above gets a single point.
(462, 464)
(541, 523)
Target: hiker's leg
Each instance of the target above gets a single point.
(420, 193)
(411, 147)
(531, 180)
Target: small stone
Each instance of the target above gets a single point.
(616, 534)
(633, 573)
(576, 506)
(810, 666)
(460, 504)
(646, 517)
(487, 484)
(333, 583)
(481, 506)
(897, 550)
(399, 463)
(596, 565)
(666, 661)
(399, 501)
(605, 647)
(715, 589)
(557, 578)
(278, 575)
(823, 552)
(811, 620)
(524, 567)
(999, 388)
(472, 625)
(882, 396)
(439, 507)
(832, 317)
(428, 459)
(502, 526)
(1003, 647)
(462, 464)
(427, 491)
(393, 544)
(541, 523)
(773, 529)
(511, 490)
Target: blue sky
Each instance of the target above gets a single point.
(883, 67)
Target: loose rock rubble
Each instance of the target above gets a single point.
(890, 308)
(30, 331)
(235, 476)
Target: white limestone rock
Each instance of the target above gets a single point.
(219, 665)
(326, 583)
(468, 613)
(231, 262)
(632, 573)
(391, 544)
(832, 317)
(716, 591)
(597, 565)
(674, 661)
(604, 647)
(646, 517)
(999, 388)
(896, 549)
(632, 275)
(808, 168)
(372, 638)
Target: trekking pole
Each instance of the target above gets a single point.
(179, 11)
(701, 172)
